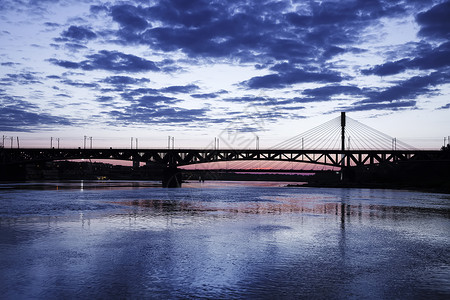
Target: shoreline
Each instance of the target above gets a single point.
(428, 189)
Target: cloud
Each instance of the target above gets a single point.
(446, 106)
(96, 9)
(251, 99)
(73, 47)
(435, 22)
(162, 115)
(51, 25)
(113, 61)
(124, 80)
(129, 17)
(326, 92)
(293, 76)
(25, 77)
(79, 33)
(130, 94)
(80, 84)
(152, 101)
(176, 89)
(9, 64)
(430, 58)
(396, 105)
(65, 63)
(251, 31)
(209, 95)
(389, 68)
(63, 95)
(407, 89)
(19, 115)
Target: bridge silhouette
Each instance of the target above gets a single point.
(340, 143)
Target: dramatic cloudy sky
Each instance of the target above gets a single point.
(196, 70)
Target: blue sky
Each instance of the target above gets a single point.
(196, 70)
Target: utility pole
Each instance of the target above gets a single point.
(57, 139)
(91, 141)
(131, 142)
(85, 137)
(168, 143)
(136, 143)
(257, 142)
(12, 140)
(51, 142)
(18, 143)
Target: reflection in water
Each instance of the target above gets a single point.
(281, 205)
(230, 241)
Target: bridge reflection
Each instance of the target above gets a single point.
(282, 205)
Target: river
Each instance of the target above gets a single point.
(221, 240)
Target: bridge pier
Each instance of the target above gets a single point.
(171, 177)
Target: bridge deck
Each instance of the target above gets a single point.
(181, 157)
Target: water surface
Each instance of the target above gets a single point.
(252, 240)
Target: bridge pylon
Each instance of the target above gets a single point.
(342, 144)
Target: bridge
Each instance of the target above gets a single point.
(353, 144)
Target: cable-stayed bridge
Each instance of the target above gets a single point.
(341, 142)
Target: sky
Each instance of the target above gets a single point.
(241, 72)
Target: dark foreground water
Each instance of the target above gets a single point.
(221, 240)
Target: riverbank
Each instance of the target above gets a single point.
(438, 188)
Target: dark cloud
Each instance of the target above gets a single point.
(407, 89)
(65, 63)
(79, 33)
(293, 76)
(117, 61)
(12, 119)
(435, 22)
(250, 31)
(114, 61)
(209, 95)
(80, 84)
(326, 92)
(63, 95)
(395, 105)
(51, 25)
(426, 59)
(389, 68)
(177, 89)
(9, 64)
(124, 80)
(25, 77)
(152, 101)
(162, 115)
(107, 99)
(446, 106)
(19, 115)
(130, 94)
(96, 9)
(251, 99)
(129, 16)
(73, 47)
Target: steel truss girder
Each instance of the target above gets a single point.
(180, 157)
